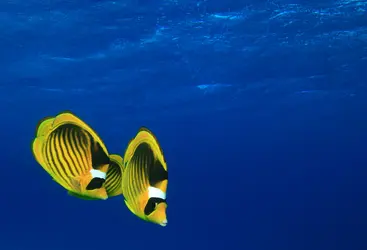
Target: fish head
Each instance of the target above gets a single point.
(156, 206)
(84, 186)
(158, 215)
(149, 209)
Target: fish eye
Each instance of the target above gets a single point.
(152, 205)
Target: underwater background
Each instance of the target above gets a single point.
(259, 106)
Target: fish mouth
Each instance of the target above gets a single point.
(164, 223)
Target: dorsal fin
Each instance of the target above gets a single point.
(69, 117)
(44, 126)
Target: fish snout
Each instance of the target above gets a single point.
(164, 223)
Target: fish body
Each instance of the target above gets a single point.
(145, 178)
(73, 154)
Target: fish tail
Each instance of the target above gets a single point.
(114, 176)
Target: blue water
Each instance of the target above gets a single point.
(260, 108)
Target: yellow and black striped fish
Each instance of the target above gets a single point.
(145, 178)
(73, 154)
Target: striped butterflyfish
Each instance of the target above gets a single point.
(73, 154)
(145, 178)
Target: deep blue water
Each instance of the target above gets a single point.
(260, 107)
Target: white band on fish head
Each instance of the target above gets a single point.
(156, 193)
(98, 174)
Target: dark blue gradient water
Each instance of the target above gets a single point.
(260, 108)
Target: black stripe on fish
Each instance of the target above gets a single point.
(78, 141)
(68, 151)
(55, 157)
(74, 151)
(99, 157)
(135, 181)
(146, 164)
(113, 179)
(152, 204)
(155, 170)
(74, 140)
(141, 160)
(157, 173)
(50, 159)
(63, 152)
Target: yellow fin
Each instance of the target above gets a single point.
(38, 155)
(117, 158)
(44, 129)
(129, 207)
(37, 145)
(129, 151)
(114, 176)
(67, 117)
(44, 126)
(144, 135)
(83, 197)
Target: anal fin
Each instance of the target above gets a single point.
(83, 197)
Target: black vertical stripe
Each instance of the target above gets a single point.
(137, 178)
(129, 187)
(69, 152)
(116, 177)
(131, 179)
(141, 176)
(62, 153)
(112, 171)
(143, 171)
(111, 178)
(131, 182)
(77, 150)
(54, 162)
(57, 156)
(82, 149)
(112, 184)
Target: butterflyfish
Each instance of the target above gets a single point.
(145, 178)
(73, 154)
